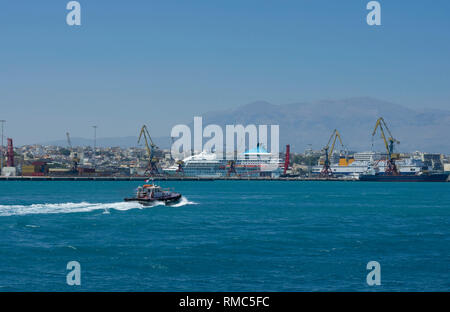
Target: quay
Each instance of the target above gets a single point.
(75, 178)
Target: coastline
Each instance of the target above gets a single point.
(50, 178)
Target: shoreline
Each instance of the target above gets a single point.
(50, 178)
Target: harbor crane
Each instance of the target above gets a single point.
(75, 158)
(231, 168)
(391, 167)
(152, 168)
(326, 170)
(68, 140)
(179, 162)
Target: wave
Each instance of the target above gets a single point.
(14, 210)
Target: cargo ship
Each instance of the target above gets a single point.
(382, 167)
(381, 177)
(359, 164)
(374, 174)
(371, 166)
(257, 162)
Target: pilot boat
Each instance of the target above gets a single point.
(149, 194)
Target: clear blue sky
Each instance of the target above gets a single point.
(161, 62)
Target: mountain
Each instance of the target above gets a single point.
(313, 122)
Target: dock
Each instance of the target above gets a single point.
(75, 178)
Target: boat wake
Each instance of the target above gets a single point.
(14, 210)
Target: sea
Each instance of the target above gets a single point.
(225, 236)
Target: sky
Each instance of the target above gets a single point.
(162, 62)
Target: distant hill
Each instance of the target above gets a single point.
(124, 142)
(312, 123)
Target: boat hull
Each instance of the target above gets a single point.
(405, 178)
(169, 199)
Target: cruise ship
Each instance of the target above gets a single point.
(257, 162)
(361, 163)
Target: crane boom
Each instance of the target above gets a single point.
(68, 140)
(75, 158)
(326, 170)
(336, 136)
(152, 161)
(391, 167)
(389, 141)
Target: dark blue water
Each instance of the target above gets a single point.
(226, 236)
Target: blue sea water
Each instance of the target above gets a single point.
(226, 236)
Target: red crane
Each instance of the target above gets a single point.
(286, 159)
(10, 154)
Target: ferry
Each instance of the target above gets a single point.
(360, 163)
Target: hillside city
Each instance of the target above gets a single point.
(39, 160)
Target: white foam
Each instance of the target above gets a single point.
(11, 210)
(183, 201)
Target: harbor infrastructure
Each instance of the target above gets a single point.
(39, 162)
(166, 178)
(116, 162)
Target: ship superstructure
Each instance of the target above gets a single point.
(360, 163)
(257, 162)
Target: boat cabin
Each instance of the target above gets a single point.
(149, 191)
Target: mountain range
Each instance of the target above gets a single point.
(310, 124)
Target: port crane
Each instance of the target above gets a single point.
(152, 168)
(326, 170)
(68, 140)
(391, 167)
(180, 163)
(231, 168)
(75, 158)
